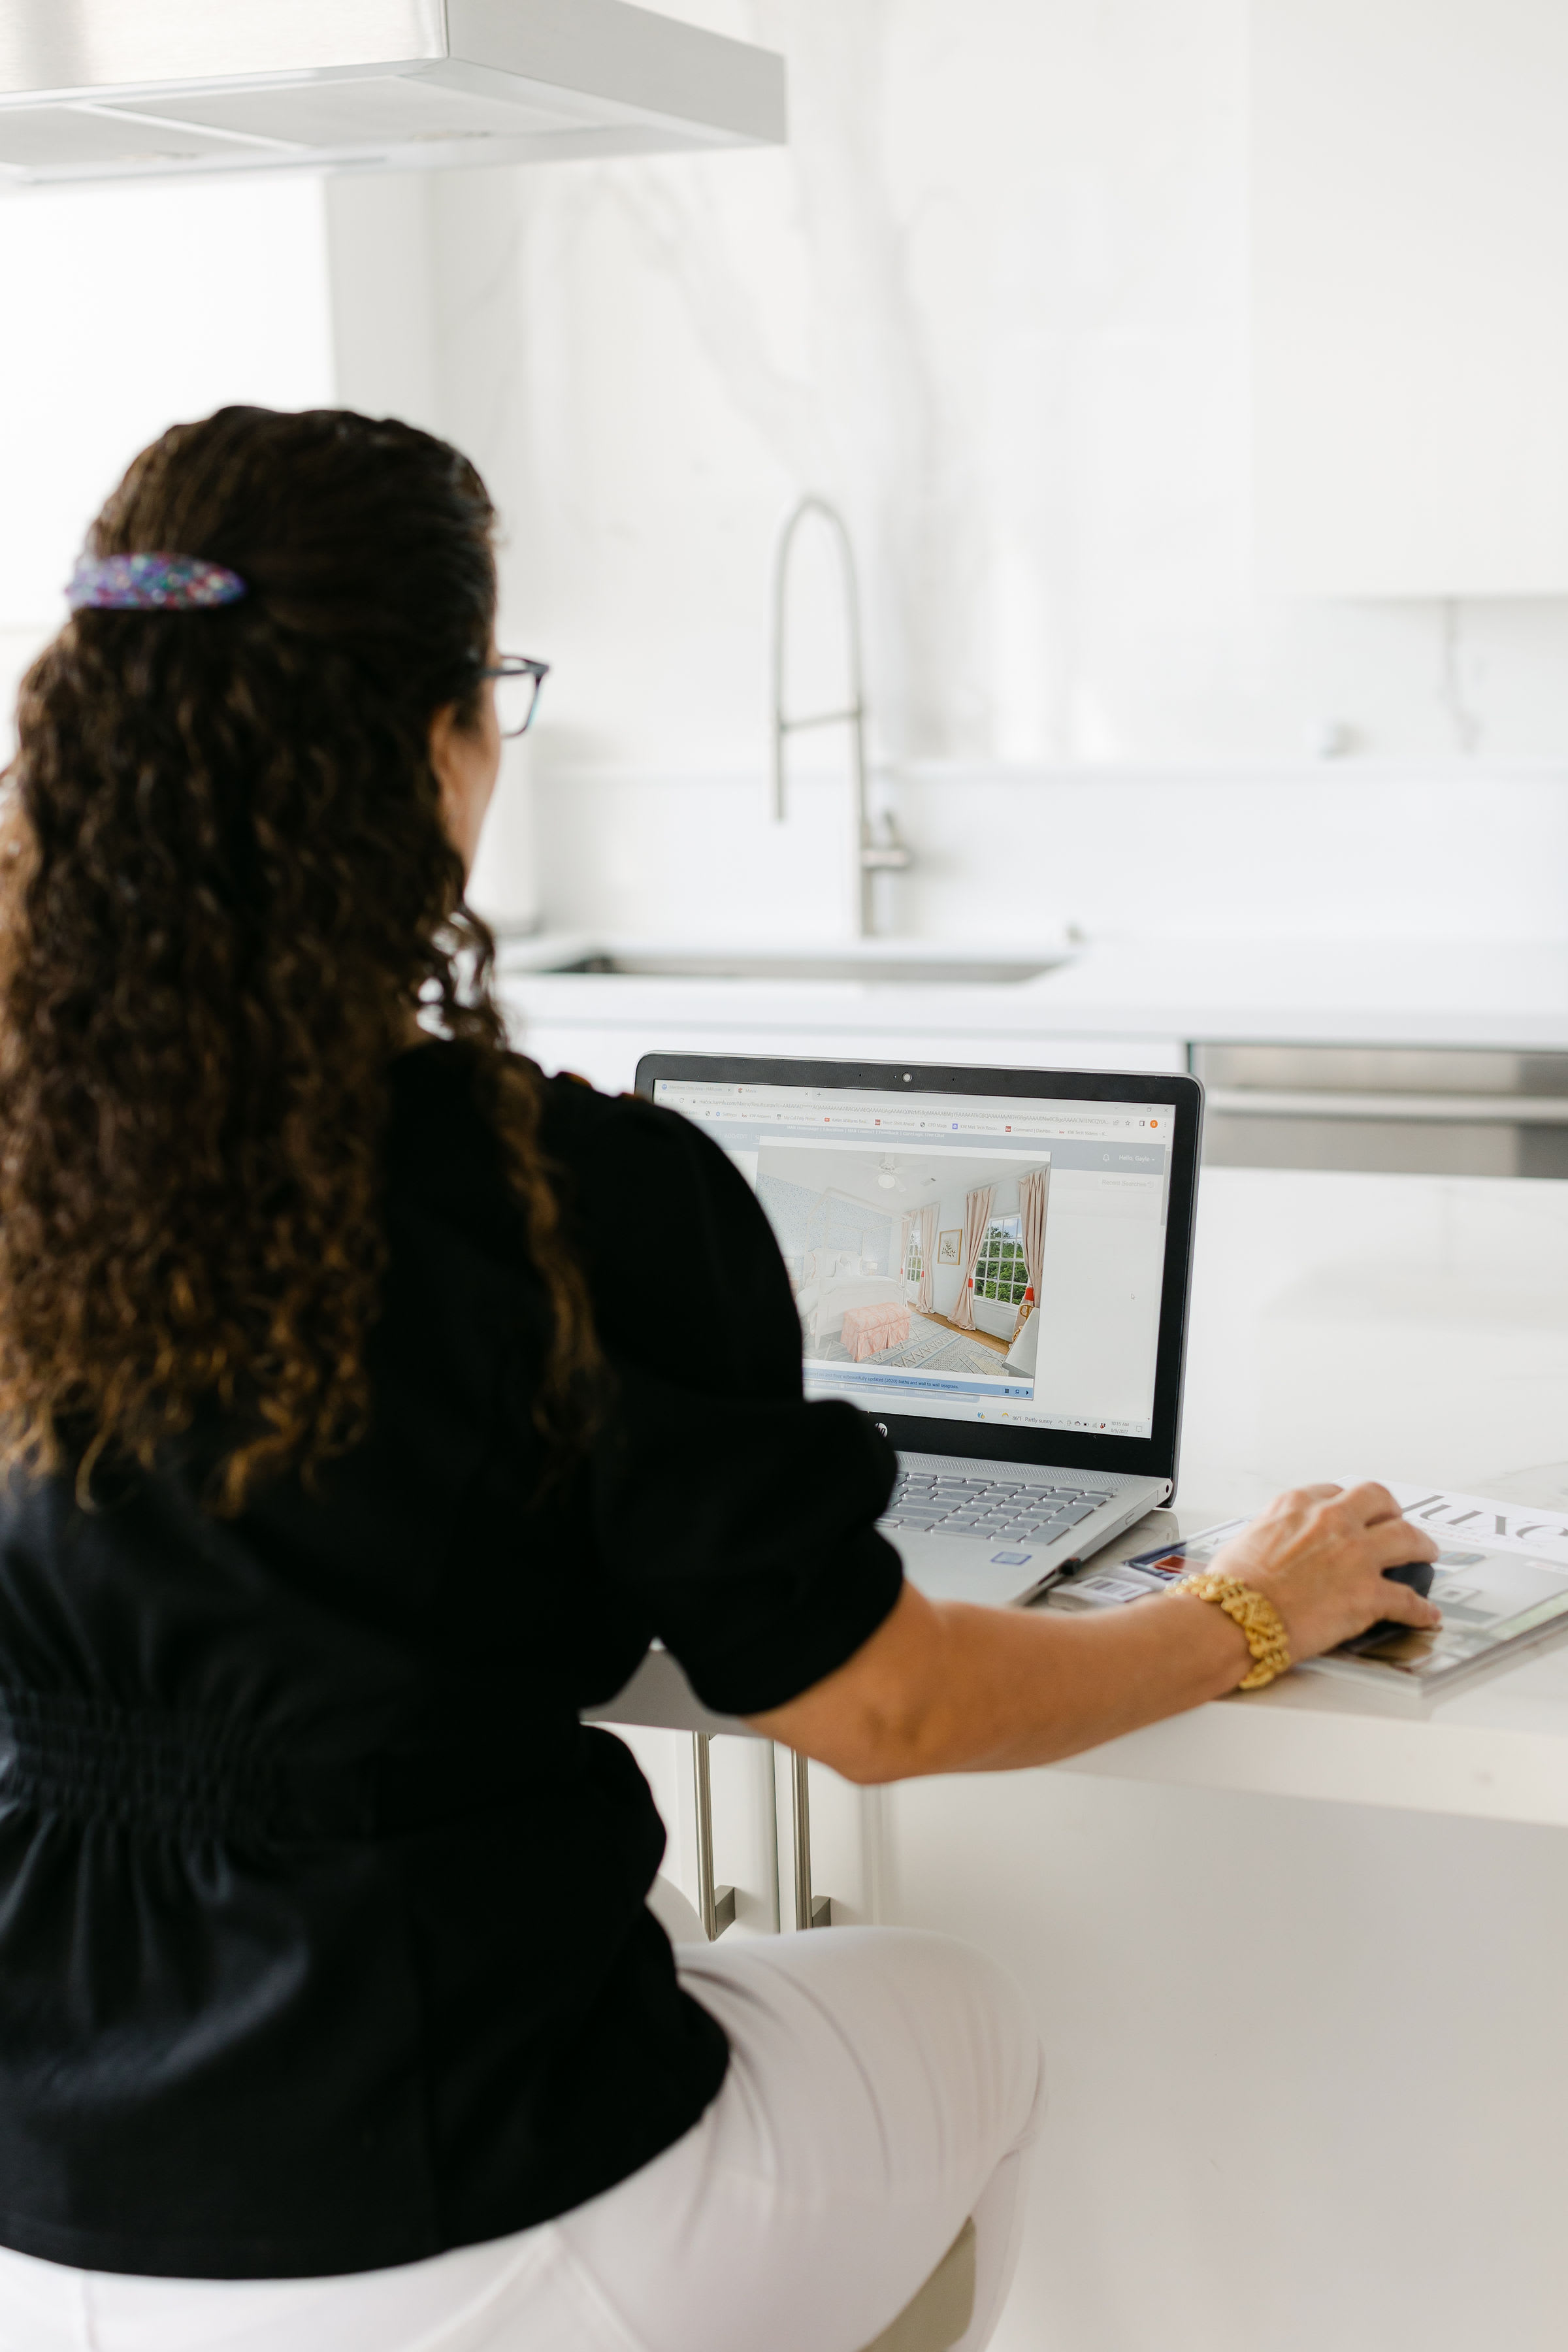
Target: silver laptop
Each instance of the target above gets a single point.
(993, 1265)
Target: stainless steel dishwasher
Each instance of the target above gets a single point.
(1449, 1112)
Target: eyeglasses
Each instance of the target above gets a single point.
(517, 681)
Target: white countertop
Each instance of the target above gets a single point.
(1483, 994)
(1496, 1749)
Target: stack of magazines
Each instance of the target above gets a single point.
(1502, 1583)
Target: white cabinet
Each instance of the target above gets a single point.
(1410, 250)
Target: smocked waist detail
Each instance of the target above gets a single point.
(88, 1759)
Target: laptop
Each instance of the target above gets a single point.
(993, 1265)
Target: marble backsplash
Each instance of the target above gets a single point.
(1010, 856)
(991, 300)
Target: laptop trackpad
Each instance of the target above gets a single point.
(945, 1567)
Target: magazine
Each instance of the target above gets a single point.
(1497, 1590)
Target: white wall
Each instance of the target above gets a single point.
(944, 1286)
(126, 309)
(993, 300)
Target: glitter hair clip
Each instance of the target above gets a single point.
(151, 584)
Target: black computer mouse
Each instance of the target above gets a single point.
(1417, 1574)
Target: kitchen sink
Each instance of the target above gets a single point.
(877, 966)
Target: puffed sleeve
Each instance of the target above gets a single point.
(743, 1517)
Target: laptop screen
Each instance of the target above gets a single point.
(961, 1257)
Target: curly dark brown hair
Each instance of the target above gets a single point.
(226, 892)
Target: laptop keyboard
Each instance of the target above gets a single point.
(988, 1507)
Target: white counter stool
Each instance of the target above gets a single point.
(943, 2309)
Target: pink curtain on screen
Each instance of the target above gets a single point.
(976, 1210)
(928, 1251)
(1034, 1191)
(904, 1248)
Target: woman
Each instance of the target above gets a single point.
(344, 1467)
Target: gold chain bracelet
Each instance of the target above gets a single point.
(1259, 1621)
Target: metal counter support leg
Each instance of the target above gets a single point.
(716, 1904)
(810, 1911)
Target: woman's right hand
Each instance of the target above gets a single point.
(946, 1687)
(1318, 1552)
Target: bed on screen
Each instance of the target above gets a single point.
(834, 1281)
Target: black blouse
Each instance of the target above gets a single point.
(322, 1938)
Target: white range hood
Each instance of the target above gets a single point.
(107, 89)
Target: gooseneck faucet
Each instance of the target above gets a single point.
(875, 853)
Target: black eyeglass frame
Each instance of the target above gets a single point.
(518, 665)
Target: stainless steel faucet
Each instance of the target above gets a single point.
(876, 852)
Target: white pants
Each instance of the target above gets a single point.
(882, 2087)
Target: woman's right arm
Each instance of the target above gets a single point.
(943, 1688)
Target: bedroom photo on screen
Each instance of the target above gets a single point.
(914, 1261)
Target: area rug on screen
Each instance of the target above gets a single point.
(931, 1347)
